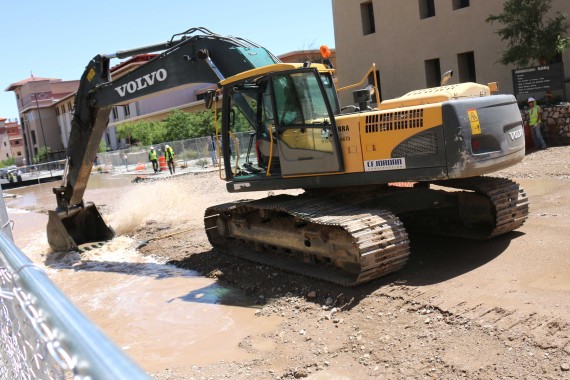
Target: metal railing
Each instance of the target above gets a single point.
(42, 334)
(36, 172)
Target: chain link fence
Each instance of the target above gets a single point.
(192, 154)
(42, 334)
(30, 350)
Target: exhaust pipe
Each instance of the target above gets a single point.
(67, 230)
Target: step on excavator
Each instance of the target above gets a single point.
(370, 171)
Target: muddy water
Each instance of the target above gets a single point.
(160, 315)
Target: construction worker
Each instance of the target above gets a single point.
(212, 150)
(169, 156)
(535, 117)
(153, 157)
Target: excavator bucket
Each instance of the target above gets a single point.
(66, 231)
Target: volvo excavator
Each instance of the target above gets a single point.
(417, 162)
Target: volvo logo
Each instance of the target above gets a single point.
(516, 134)
(142, 82)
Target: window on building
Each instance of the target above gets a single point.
(367, 14)
(17, 142)
(5, 143)
(107, 140)
(18, 153)
(115, 113)
(466, 65)
(458, 4)
(427, 8)
(127, 111)
(33, 134)
(7, 155)
(433, 72)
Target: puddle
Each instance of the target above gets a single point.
(98, 189)
(162, 316)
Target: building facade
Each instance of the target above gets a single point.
(11, 142)
(414, 42)
(35, 98)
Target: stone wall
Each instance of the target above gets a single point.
(555, 124)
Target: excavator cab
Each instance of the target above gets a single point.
(290, 115)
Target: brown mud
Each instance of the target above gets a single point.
(459, 309)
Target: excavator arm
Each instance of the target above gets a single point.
(194, 56)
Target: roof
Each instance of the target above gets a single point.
(296, 53)
(15, 85)
(135, 59)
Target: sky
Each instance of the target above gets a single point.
(57, 38)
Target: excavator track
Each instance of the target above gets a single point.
(508, 201)
(346, 244)
(312, 236)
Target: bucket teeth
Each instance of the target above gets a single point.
(68, 230)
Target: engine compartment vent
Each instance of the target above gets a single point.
(390, 121)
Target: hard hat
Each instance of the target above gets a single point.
(531, 99)
(167, 146)
(152, 147)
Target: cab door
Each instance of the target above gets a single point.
(307, 139)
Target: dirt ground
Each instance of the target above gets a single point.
(497, 309)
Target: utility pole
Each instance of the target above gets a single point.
(42, 129)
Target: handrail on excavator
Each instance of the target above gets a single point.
(372, 70)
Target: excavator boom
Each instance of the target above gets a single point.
(186, 59)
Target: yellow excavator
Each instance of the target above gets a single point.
(417, 162)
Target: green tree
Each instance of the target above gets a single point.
(7, 162)
(102, 146)
(202, 123)
(531, 38)
(177, 126)
(144, 132)
(43, 153)
(182, 125)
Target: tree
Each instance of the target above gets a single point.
(177, 126)
(7, 162)
(43, 153)
(531, 38)
(142, 131)
(182, 125)
(102, 146)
